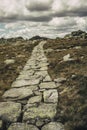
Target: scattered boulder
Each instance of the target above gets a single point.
(9, 61)
(67, 58)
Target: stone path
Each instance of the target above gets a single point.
(31, 103)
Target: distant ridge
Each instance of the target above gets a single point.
(38, 38)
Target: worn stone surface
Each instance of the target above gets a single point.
(22, 83)
(42, 111)
(22, 126)
(50, 96)
(18, 93)
(10, 111)
(47, 85)
(53, 126)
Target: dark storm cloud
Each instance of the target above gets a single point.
(39, 5)
(50, 17)
(41, 10)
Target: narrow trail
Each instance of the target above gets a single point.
(31, 103)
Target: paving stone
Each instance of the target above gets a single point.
(50, 96)
(22, 126)
(18, 93)
(10, 111)
(22, 83)
(35, 99)
(42, 111)
(47, 85)
(53, 126)
(47, 79)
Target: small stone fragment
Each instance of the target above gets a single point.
(9, 61)
(60, 80)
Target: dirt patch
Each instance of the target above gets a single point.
(72, 107)
(20, 53)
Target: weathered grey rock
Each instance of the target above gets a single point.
(67, 58)
(53, 126)
(22, 83)
(60, 80)
(22, 126)
(47, 79)
(10, 111)
(42, 111)
(9, 61)
(18, 93)
(50, 96)
(35, 99)
(47, 85)
(0, 124)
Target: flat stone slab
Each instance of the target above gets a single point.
(33, 101)
(53, 126)
(47, 79)
(22, 83)
(10, 111)
(22, 126)
(18, 93)
(47, 85)
(42, 111)
(50, 96)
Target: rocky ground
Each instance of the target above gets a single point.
(13, 56)
(50, 91)
(68, 60)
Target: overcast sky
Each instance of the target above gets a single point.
(50, 18)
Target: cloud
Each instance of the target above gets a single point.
(39, 5)
(41, 17)
(39, 10)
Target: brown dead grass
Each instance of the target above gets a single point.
(72, 107)
(20, 52)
